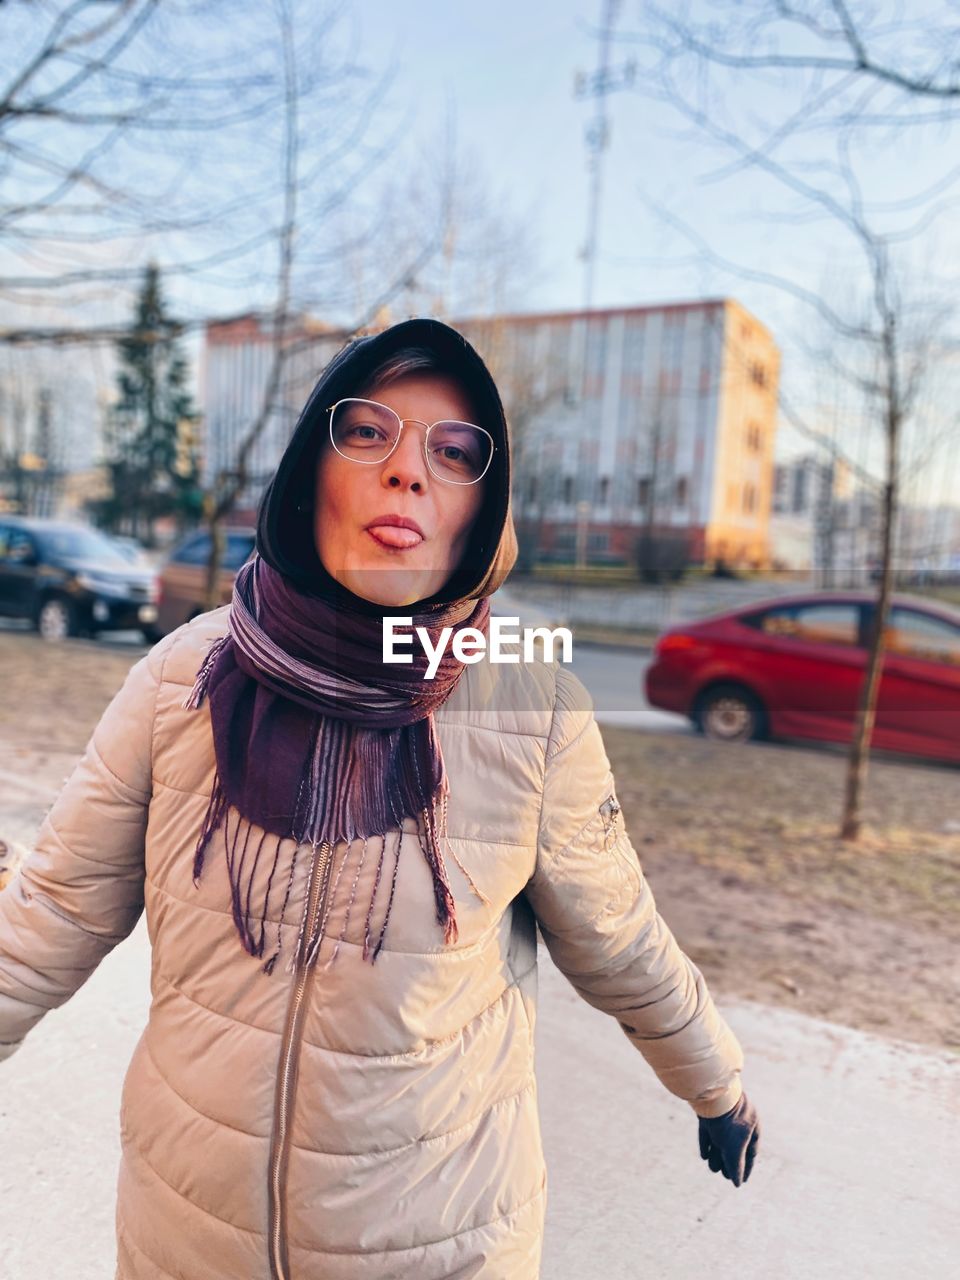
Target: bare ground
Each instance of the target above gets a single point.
(738, 843)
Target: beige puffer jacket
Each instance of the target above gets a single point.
(351, 1121)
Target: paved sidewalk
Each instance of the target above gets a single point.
(857, 1175)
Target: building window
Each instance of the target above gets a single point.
(643, 491)
(596, 352)
(754, 437)
(672, 344)
(758, 374)
(749, 499)
(568, 489)
(680, 494)
(800, 498)
(603, 490)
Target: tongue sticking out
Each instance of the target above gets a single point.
(393, 536)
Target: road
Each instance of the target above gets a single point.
(614, 676)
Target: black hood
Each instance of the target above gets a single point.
(285, 524)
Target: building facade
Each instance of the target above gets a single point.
(638, 429)
(637, 432)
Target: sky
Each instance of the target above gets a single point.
(507, 72)
(504, 74)
(509, 69)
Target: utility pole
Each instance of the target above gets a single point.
(604, 81)
(598, 86)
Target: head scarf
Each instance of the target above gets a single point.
(316, 739)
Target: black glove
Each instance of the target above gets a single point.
(729, 1143)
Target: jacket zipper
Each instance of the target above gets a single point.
(289, 1064)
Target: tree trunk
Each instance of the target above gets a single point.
(218, 543)
(866, 711)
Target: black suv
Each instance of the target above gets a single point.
(70, 579)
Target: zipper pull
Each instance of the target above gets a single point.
(610, 812)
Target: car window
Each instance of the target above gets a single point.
(825, 623)
(197, 550)
(18, 546)
(239, 546)
(911, 634)
(194, 551)
(78, 543)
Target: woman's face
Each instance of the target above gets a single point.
(389, 565)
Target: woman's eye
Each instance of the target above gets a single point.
(363, 431)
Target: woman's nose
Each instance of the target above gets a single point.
(407, 466)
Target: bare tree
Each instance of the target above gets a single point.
(884, 348)
(848, 55)
(139, 129)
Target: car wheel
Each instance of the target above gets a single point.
(730, 713)
(151, 635)
(57, 619)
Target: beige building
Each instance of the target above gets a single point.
(640, 422)
(630, 425)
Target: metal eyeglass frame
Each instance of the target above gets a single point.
(380, 461)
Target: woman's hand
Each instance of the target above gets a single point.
(729, 1143)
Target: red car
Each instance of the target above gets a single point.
(793, 668)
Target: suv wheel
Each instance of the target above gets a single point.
(730, 713)
(56, 619)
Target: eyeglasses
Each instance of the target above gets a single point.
(368, 432)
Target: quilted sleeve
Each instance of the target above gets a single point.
(80, 890)
(600, 923)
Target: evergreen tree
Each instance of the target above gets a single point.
(152, 473)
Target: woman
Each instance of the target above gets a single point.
(344, 864)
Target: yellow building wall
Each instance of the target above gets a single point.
(743, 470)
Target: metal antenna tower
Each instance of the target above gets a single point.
(604, 81)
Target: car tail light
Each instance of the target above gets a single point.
(675, 641)
(158, 591)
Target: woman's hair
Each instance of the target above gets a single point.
(401, 362)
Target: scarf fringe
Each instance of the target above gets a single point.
(243, 857)
(195, 697)
(332, 807)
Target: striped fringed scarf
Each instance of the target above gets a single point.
(318, 741)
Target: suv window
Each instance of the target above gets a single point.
(825, 623)
(197, 550)
(16, 546)
(911, 634)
